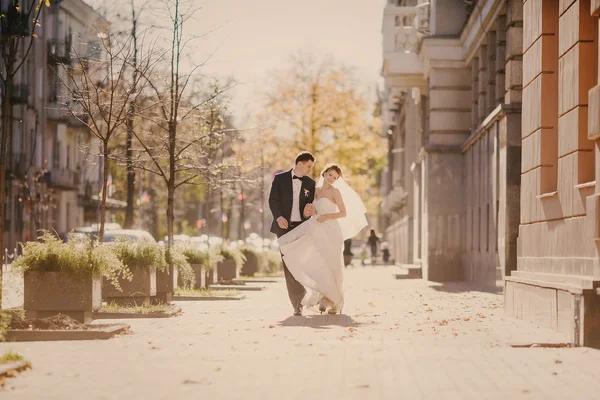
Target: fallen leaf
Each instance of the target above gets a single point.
(321, 354)
(557, 362)
(352, 329)
(363, 386)
(271, 326)
(372, 304)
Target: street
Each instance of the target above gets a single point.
(397, 339)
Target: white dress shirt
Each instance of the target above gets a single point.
(297, 188)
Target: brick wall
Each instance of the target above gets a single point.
(558, 171)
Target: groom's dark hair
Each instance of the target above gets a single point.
(304, 156)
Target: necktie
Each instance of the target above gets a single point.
(296, 177)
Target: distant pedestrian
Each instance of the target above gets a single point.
(372, 241)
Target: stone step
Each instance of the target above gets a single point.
(408, 271)
(582, 281)
(244, 288)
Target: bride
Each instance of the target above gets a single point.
(313, 251)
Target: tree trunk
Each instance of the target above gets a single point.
(3, 156)
(241, 227)
(104, 191)
(129, 211)
(171, 184)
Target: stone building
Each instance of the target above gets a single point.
(491, 171)
(44, 142)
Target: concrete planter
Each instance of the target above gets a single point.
(135, 292)
(250, 267)
(47, 293)
(212, 276)
(199, 273)
(166, 282)
(228, 270)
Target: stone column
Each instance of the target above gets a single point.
(509, 137)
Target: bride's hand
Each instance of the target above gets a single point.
(322, 218)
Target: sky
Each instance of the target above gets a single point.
(248, 39)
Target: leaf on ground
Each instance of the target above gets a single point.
(372, 304)
(363, 386)
(557, 362)
(429, 309)
(443, 323)
(466, 318)
(271, 326)
(321, 354)
(352, 329)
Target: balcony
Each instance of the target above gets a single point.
(403, 29)
(19, 94)
(59, 51)
(63, 178)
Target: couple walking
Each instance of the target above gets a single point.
(311, 221)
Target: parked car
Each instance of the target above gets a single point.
(138, 234)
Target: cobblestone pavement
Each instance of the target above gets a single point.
(397, 339)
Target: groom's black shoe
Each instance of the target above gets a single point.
(298, 311)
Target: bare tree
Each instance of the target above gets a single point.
(178, 159)
(99, 92)
(18, 23)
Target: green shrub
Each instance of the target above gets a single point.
(261, 256)
(80, 255)
(234, 254)
(138, 253)
(273, 262)
(205, 257)
(176, 257)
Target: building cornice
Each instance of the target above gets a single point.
(480, 21)
(441, 52)
(494, 116)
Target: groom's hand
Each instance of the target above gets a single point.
(309, 210)
(282, 222)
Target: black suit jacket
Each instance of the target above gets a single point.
(281, 198)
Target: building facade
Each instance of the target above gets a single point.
(53, 174)
(492, 113)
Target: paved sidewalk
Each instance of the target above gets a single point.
(397, 340)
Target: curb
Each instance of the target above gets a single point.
(104, 332)
(123, 315)
(209, 298)
(6, 369)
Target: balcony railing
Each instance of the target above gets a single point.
(401, 40)
(59, 51)
(19, 94)
(63, 178)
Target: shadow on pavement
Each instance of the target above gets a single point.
(461, 287)
(320, 321)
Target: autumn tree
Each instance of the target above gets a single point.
(318, 105)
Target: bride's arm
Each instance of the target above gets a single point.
(340, 204)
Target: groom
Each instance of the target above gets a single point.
(290, 201)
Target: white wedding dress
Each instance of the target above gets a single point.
(313, 254)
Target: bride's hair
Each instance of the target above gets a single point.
(330, 167)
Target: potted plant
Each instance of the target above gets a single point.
(211, 264)
(273, 263)
(229, 267)
(166, 281)
(143, 259)
(254, 260)
(201, 262)
(66, 278)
